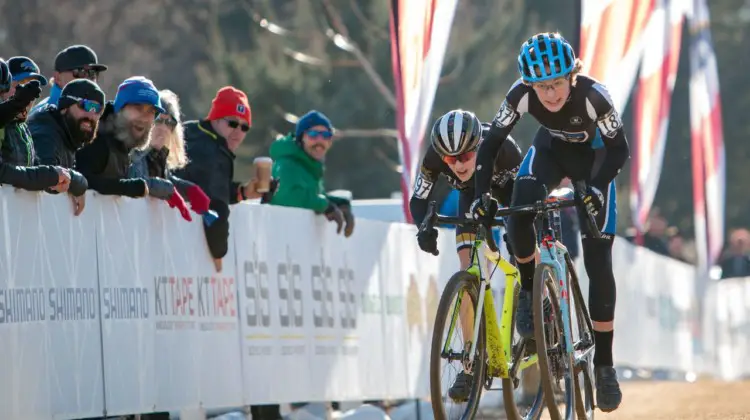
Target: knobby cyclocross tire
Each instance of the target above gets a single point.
(461, 281)
(509, 397)
(583, 382)
(545, 279)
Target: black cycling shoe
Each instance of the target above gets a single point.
(525, 314)
(608, 394)
(461, 388)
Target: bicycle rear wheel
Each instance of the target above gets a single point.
(519, 349)
(555, 364)
(463, 285)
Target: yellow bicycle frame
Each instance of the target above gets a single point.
(499, 339)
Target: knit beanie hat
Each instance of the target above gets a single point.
(311, 119)
(230, 102)
(137, 90)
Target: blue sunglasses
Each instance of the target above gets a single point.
(322, 133)
(87, 104)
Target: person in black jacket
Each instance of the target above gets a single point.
(126, 125)
(17, 171)
(211, 144)
(58, 131)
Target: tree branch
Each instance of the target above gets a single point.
(339, 35)
(375, 29)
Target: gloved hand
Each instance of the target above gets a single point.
(78, 183)
(160, 188)
(481, 214)
(333, 213)
(266, 198)
(427, 240)
(593, 199)
(27, 93)
(176, 200)
(346, 210)
(199, 201)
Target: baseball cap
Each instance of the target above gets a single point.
(80, 89)
(138, 90)
(230, 102)
(22, 68)
(77, 57)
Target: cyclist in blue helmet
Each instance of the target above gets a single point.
(581, 137)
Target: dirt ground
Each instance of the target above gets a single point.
(702, 400)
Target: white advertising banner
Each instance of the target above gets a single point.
(655, 313)
(49, 324)
(170, 323)
(121, 310)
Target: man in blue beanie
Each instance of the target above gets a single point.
(126, 125)
(299, 168)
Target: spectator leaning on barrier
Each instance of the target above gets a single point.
(166, 153)
(58, 131)
(299, 166)
(211, 144)
(126, 125)
(74, 62)
(17, 164)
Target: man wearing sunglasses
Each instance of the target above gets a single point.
(59, 131)
(455, 138)
(17, 160)
(126, 125)
(211, 144)
(74, 62)
(299, 164)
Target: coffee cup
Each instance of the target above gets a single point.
(263, 173)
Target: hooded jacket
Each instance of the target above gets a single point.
(300, 177)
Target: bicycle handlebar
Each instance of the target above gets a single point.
(541, 206)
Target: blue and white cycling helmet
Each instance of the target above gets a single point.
(545, 49)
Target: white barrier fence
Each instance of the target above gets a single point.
(120, 310)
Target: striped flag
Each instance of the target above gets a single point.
(612, 43)
(652, 103)
(419, 37)
(707, 138)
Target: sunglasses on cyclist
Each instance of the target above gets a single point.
(463, 158)
(87, 104)
(85, 73)
(166, 120)
(325, 134)
(234, 124)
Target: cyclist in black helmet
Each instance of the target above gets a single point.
(455, 138)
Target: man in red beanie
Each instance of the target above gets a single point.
(211, 144)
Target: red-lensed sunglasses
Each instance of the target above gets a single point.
(463, 158)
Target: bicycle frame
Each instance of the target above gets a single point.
(499, 357)
(555, 257)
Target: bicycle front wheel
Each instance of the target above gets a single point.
(555, 364)
(450, 354)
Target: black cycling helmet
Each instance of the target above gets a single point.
(456, 133)
(5, 76)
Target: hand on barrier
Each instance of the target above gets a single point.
(63, 180)
(79, 203)
(176, 200)
(334, 214)
(199, 201)
(346, 210)
(160, 188)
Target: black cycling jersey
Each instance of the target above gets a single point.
(588, 110)
(505, 167)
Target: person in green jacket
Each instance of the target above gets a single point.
(299, 164)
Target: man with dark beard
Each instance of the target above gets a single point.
(59, 131)
(126, 125)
